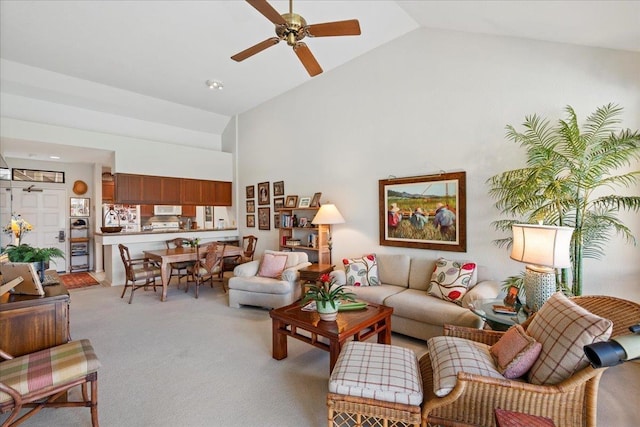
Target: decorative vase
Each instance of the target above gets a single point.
(326, 311)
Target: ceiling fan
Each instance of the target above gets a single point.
(292, 28)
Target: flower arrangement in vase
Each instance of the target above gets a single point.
(327, 296)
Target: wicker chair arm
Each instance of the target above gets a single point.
(479, 335)
(15, 395)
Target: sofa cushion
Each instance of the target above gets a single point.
(376, 294)
(262, 285)
(272, 266)
(515, 352)
(361, 271)
(420, 273)
(394, 269)
(421, 307)
(564, 328)
(451, 279)
(450, 355)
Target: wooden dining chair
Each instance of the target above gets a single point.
(138, 269)
(248, 250)
(179, 269)
(208, 266)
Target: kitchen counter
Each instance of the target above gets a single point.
(108, 254)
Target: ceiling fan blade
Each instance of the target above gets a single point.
(307, 59)
(338, 28)
(255, 49)
(268, 11)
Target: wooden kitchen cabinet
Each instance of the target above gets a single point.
(146, 210)
(189, 210)
(128, 188)
(158, 190)
(108, 188)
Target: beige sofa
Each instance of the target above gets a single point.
(404, 283)
(245, 288)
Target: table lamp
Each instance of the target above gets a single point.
(543, 248)
(328, 214)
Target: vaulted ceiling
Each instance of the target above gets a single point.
(150, 59)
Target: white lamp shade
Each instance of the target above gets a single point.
(328, 214)
(544, 245)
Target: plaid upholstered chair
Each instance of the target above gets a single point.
(570, 402)
(138, 269)
(38, 379)
(208, 266)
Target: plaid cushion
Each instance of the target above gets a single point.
(564, 328)
(377, 371)
(48, 368)
(450, 355)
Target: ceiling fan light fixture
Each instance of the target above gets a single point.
(214, 84)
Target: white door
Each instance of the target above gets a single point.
(46, 211)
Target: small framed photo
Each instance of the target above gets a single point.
(315, 200)
(305, 202)
(302, 222)
(250, 192)
(79, 206)
(263, 193)
(251, 220)
(278, 188)
(276, 220)
(278, 203)
(251, 206)
(292, 201)
(264, 218)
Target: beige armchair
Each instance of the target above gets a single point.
(247, 288)
(572, 402)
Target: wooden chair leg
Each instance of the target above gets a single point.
(133, 288)
(126, 282)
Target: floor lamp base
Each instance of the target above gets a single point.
(539, 285)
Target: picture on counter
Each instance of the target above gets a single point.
(263, 193)
(251, 206)
(292, 201)
(250, 192)
(251, 220)
(79, 206)
(278, 203)
(264, 216)
(315, 201)
(276, 220)
(305, 202)
(278, 188)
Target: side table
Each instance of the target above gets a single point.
(313, 272)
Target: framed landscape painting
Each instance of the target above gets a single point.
(424, 212)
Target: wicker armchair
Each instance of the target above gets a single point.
(572, 402)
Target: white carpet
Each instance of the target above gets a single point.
(188, 362)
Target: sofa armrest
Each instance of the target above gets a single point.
(291, 274)
(247, 269)
(340, 276)
(487, 289)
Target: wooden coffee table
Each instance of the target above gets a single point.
(291, 320)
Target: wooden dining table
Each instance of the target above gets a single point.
(167, 256)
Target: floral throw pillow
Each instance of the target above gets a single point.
(362, 271)
(450, 279)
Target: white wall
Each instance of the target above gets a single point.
(434, 100)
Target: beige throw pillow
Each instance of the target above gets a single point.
(564, 328)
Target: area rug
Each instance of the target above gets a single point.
(78, 280)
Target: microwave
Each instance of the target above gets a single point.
(167, 210)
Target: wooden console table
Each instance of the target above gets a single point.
(31, 323)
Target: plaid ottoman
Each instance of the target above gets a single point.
(375, 384)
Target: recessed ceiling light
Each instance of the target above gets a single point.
(214, 84)
(54, 157)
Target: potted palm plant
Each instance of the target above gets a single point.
(569, 171)
(327, 296)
